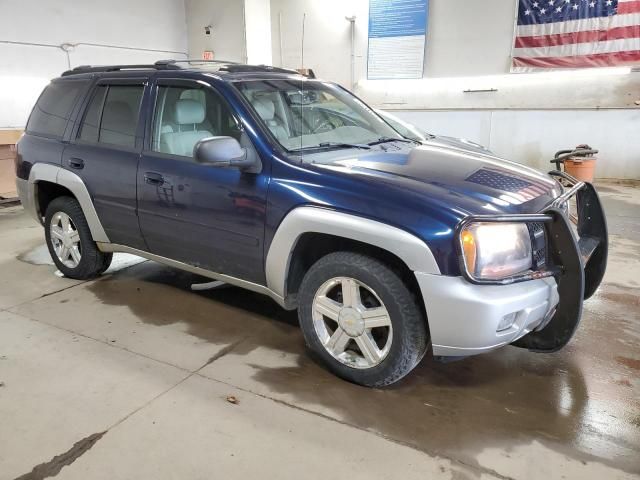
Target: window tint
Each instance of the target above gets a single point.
(52, 111)
(112, 115)
(185, 115)
(91, 122)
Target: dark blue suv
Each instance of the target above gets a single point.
(291, 187)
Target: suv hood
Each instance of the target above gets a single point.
(471, 181)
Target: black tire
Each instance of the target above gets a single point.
(409, 339)
(93, 262)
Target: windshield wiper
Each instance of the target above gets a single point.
(390, 139)
(335, 144)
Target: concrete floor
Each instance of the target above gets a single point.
(128, 377)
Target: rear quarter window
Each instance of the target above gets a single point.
(53, 109)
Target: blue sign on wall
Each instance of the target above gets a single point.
(397, 37)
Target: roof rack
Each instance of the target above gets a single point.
(116, 68)
(228, 66)
(225, 66)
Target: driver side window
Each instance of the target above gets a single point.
(184, 115)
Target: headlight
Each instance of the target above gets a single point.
(493, 251)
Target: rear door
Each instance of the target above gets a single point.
(105, 151)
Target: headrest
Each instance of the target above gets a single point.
(189, 112)
(265, 108)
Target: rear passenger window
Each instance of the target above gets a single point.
(112, 115)
(91, 122)
(53, 109)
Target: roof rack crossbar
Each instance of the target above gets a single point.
(195, 60)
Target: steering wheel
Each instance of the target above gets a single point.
(324, 125)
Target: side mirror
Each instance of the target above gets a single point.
(222, 152)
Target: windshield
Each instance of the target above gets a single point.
(307, 115)
(405, 128)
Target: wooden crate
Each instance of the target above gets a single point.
(8, 139)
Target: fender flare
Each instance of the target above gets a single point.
(44, 172)
(307, 219)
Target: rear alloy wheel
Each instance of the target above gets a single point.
(361, 320)
(65, 240)
(70, 242)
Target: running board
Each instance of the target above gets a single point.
(238, 282)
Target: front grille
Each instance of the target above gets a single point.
(538, 244)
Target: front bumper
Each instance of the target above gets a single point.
(466, 314)
(464, 318)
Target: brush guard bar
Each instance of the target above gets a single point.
(576, 259)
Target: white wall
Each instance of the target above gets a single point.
(533, 136)
(526, 119)
(258, 31)
(227, 38)
(469, 38)
(139, 26)
(327, 36)
(464, 38)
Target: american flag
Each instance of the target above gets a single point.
(576, 34)
(516, 189)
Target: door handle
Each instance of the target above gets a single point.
(76, 163)
(153, 178)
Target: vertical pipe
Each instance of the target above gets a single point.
(304, 17)
(352, 22)
(244, 31)
(280, 37)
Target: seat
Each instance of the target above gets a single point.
(266, 110)
(188, 116)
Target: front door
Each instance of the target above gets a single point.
(105, 151)
(206, 216)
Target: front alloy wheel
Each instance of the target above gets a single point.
(360, 319)
(352, 323)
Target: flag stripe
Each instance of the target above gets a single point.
(578, 37)
(577, 49)
(579, 25)
(628, 7)
(596, 60)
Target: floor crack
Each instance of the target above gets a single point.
(57, 463)
(223, 352)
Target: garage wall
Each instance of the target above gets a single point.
(227, 38)
(533, 136)
(146, 29)
(464, 38)
(327, 37)
(526, 117)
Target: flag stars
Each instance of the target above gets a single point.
(543, 11)
(527, 12)
(551, 2)
(559, 9)
(536, 4)
(592, 4)
(575, 6)
(609, 3)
